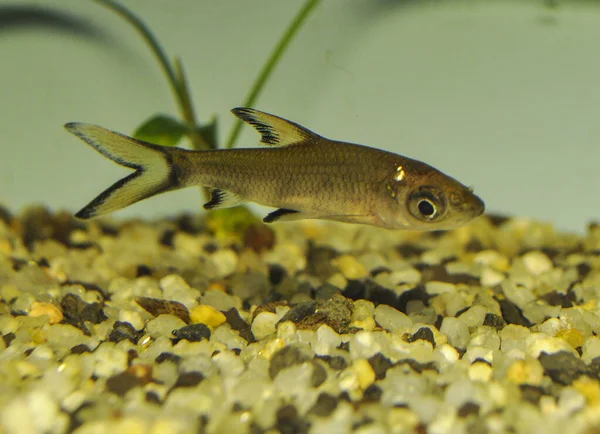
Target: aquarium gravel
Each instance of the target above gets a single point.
(164, 327)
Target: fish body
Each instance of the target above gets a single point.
(300, 173)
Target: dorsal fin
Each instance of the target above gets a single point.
(275, 131)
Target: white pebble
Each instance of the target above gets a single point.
(109, 360)
(325, 340)
(591, 349)
(392, 319)
(457, 332)
(491, 277)
(537, 263)
(163, 325)
(264, 324)
(223, 262)
(409, 275)
(434, 287)
(133, 318)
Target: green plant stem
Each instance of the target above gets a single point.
(188, 112)
(175, 76)
(269, 66)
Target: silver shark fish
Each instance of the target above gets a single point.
(302, 174)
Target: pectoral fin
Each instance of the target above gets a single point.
(275, 131)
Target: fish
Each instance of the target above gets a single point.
(299, 173)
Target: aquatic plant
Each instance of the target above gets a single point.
(167, 130)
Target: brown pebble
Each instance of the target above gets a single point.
(156, 307)
(259, 237)
(189, 379)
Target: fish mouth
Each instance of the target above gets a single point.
(477, 207)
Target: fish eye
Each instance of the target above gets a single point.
(426, 207)
(427, 204)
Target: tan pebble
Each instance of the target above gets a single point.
(272, 347)
(367, 324)
(5, 247)
(526, 372)
(590, 305)
(217, 286)
(54, 314)
(364, 372)
(79, 236)
(350, 267)
(492, 259)
(573, 336)
(58, 275)
(207, 315)
(338, 280)
(480, 371)
(588, 387)
(142, 372)
(490, 277)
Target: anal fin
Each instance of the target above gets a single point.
(283, 215)
(222, 199)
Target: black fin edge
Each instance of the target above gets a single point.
(277, 214)
(268, 134)
(216, 197)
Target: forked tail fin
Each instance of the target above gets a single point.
(154, 169)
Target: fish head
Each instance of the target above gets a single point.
(426, 199)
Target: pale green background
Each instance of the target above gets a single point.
(503, 95)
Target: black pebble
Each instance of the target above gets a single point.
(192, 333)
(418, 367)
(80, 349)
(276, 274)
(495, 321)
(143, 270)
(556, 299)
(122, 383)
(512, 314)
(563, 367)
(319, 375)
(425, 334)
(167, 238)
(8, 338)
(583, 270)
(475, 245)
(380, 365)
(123, 330)
(300, 311)
(467, 409)
(325, 405)
(372, 291)
(167, 357)
(410, 250)
(418, 293)
(372, 393)
(531, 393)
(286, 357)
(338, 363)
(290, 422)
(237, 323)
(93, 313)
(152, 397)
(189, 379)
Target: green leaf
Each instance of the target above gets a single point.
(162, 130)
(209, 132)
